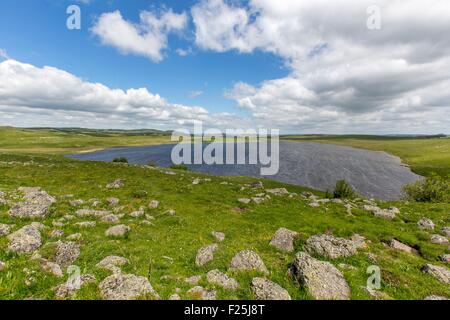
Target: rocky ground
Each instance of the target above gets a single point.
(74, 230)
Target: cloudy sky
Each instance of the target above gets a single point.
(342, 66)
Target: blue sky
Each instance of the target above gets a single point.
(38, 35)
(372, 66)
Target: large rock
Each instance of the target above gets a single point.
(397, 245)
(120, 230)
(248, 260)
(425, 224)
(66, 253)
(5, 229)
(322, 280)
(126, 287)
(205, 254)
(284, 240)
(264, 289)
(36, 205)
(440, 273)
(221, 279)
(328, 246)
(438, 239)
(25, 240)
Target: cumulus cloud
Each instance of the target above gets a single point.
(30, 95)
(147, 38)
(343, 76)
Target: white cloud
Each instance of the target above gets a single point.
(343, 76)
(31, 95)
(184, 52)
(194, 94)
(4, 54)
(148, 38)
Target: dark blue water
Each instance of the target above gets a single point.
(373, 174)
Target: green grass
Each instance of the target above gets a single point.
(424, 155)
(165, 252)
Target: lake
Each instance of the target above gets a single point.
(373, 174)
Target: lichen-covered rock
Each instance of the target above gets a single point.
(425, 224)
(445, 257)
(86, 224)
(220, 236)
(52, 268)
(387, 214)
(248, 260)
(194, 280)
(56, 234)
(5, 229)
(117, 184)
(205, 254)
(244, 200)
(284, 240)
(446, 231)
(66, 252)
(331, 247)
(75, 237)
(321, 279)
(438, 239)
(36, 205)
(440, 273)
(25, 240)
(112, 201)
(154, 204)
(126, 287)
(200, 293)
(112, 263)
(221, 279)
(110, 218)
(120, 230)
(277, 191)
(68, 289)
(264, 289)
(397, 245)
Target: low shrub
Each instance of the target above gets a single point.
(343, 190)
(120, 160)
(431, 189)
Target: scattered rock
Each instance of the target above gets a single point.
(248, 260)
(446, 231)
(5, 229)
(112, 201)
(56, 234)
(126, 287)
(322, 280)
(438, 239)
(66, 252)
(359, 241)
(200, 293)
(25, 240)
(137, 214)
(221, 279)
(175, 296)
(120, 230)
(86, 224)
(284, 240)
(328, 246)
(244, 200)
(205, 254)
(117, 184)
(154, 204)
(264, 289)
(111, 263)
(68, 289)
(74, 237)
(36, 204)
(440, 273)
(220, 236)
(425, 224)
(52, 268)
(445, 257)
(194, 280)
(277, 191)
(387, 214)
(110, 218)
(397, 245)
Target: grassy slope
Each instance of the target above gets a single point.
(200, 209)
(423, 155)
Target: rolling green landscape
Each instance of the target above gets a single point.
(161, 241)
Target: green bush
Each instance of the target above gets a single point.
(120, 160)
(179, 167)
(140, 194)
(431, 189)
(343, 190)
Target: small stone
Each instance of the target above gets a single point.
(200, 293)
(264, 289)
(175, 296)
(425, 224)
(258, 200)
(68, 289)
(110, 218)
(322, 280)
(137, 214)
(440, 273)
(112, 201)
(5, 229)
(244, 200)
(221, 279)
(126, 287)
(154, 204)
(278, 191)
(220, 236)
(112, 262)
(86, 224)
(120, 230)
(76, 203)
(194, 280)
(438, 239)
(52, 268)
(284, 240)
(359, 241)
(331, 247)
(248, 260)
(434, 297)
(117, 184)
(205, 254)
(445, 257)
(446, 231)
(66, 252)
(56, 234)
(74, 237)
(397, 245)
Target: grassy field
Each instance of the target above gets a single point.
(165, 251)
(424, 155)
